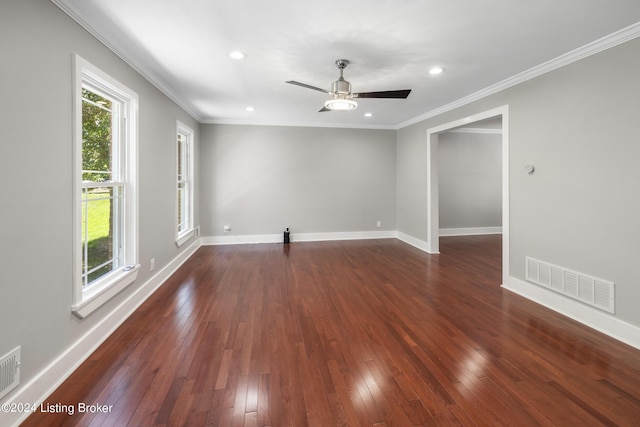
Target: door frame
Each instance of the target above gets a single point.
(433, 219)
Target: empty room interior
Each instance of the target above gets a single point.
(253, 213)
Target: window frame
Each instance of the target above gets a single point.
(88, 299)
(182, 236)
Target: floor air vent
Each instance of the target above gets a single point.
(9, 372)
(582, 287)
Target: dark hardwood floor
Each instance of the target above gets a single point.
(350, 333)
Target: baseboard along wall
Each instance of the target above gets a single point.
(469, 231)
(46, 381)
(36, 390)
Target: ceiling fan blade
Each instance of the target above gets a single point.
(323, 110)
(401, 94)
(307, 86)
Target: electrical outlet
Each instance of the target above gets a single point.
(379, 224)
(152, 264)
(227, 228)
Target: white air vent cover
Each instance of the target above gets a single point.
(9, 372)
(582, 287)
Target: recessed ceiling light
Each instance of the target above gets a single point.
(368, 114)
(237, 54)
(250, 109)
(436, 70)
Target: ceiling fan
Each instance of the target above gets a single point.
(342, 97)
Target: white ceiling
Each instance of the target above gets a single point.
(182, 47)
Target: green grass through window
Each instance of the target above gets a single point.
(97, 232)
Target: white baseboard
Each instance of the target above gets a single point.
(46, 381)
(298, 237)
(420, 244)
(593, 318)
(469, 231)
(346, 235)
(239, 240)
(589, 316)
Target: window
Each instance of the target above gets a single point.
(105, 201)
(184, 184)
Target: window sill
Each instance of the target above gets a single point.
(100, 293)
(184, 237)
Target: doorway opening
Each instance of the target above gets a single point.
(433, 219)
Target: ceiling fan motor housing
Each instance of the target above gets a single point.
(341, 87)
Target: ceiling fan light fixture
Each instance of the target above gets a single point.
(341, 104)
(342, 95)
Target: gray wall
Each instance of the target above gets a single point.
(580, 210)
(470, 180)
(261, 179)
(578, 125)
(37, 41)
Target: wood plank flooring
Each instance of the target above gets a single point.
(350, 333)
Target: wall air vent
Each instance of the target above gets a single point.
(581, 287)
(9, 372)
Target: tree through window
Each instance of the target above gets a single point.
(102, 188)
(105, 201)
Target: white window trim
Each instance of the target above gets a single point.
(184, 236)
(85, 301)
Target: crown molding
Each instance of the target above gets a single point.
(604, 43)
(147, 74)
(298, 124)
